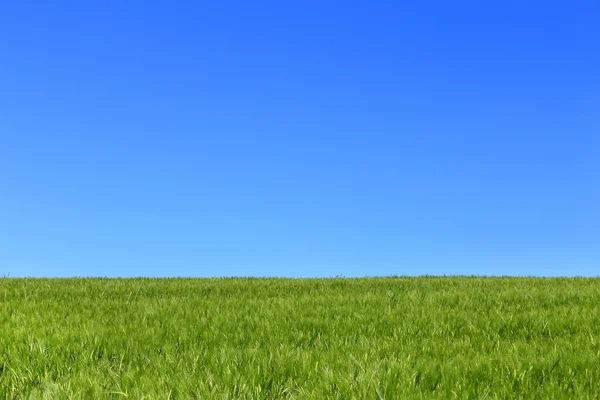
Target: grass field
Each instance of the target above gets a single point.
(282, 338)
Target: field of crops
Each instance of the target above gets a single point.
(233, 338)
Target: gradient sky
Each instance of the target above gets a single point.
(299, 138)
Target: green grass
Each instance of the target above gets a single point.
(282, 338)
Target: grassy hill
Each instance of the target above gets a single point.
(369, 338)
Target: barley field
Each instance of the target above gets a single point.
(259, 338)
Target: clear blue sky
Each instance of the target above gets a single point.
(299, 138)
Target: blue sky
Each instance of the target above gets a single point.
(299, 138)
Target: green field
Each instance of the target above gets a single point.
(369, 338)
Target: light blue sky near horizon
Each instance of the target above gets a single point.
(302, 139)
